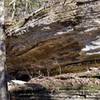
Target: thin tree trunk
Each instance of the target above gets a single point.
(3, 92)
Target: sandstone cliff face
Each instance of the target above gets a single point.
(67, 33)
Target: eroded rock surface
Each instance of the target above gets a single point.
(59, 37)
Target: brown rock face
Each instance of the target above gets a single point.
(56, 40)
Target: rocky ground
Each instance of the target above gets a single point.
(83, 85)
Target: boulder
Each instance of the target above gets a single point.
(59, 38)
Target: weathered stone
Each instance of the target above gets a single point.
(56, 38)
